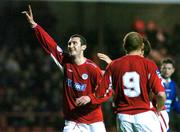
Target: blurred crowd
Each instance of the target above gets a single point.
(29, 85)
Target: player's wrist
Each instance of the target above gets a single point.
(92, 98)
(33, 24)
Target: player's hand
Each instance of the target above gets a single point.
(29, 16)
(83, 100)
(104, 57)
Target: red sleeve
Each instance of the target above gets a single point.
(100, 100)
(96, 77)
(155, 80)
(104, 89)
(48, 43)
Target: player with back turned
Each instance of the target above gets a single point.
(132, 77)
(162, 115)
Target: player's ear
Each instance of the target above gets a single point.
(142, 52)
(84, 47)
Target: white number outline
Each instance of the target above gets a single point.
(131, 82)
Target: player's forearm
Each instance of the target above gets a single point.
(100, 100)
(161, 97)
(45, 39)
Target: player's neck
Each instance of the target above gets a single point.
(79, 60)
(137, 52)
(167, 79)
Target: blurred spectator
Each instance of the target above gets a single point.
(151, 33)
(139, 26)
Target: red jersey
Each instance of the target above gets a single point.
(132, 78)
(79, 80)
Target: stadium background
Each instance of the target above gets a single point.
(30, 82)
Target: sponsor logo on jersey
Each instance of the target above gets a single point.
(84, 76)
(79, 87)
(75, 85)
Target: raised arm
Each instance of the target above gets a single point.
(47, 42)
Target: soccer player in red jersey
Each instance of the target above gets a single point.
(81, 76)
(163, 115)
(133, 77)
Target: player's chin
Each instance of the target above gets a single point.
(72, 54)
(166, 77)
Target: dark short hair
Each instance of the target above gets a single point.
(132, 41)
(147, 47)
(168, 61)
(82, 39)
